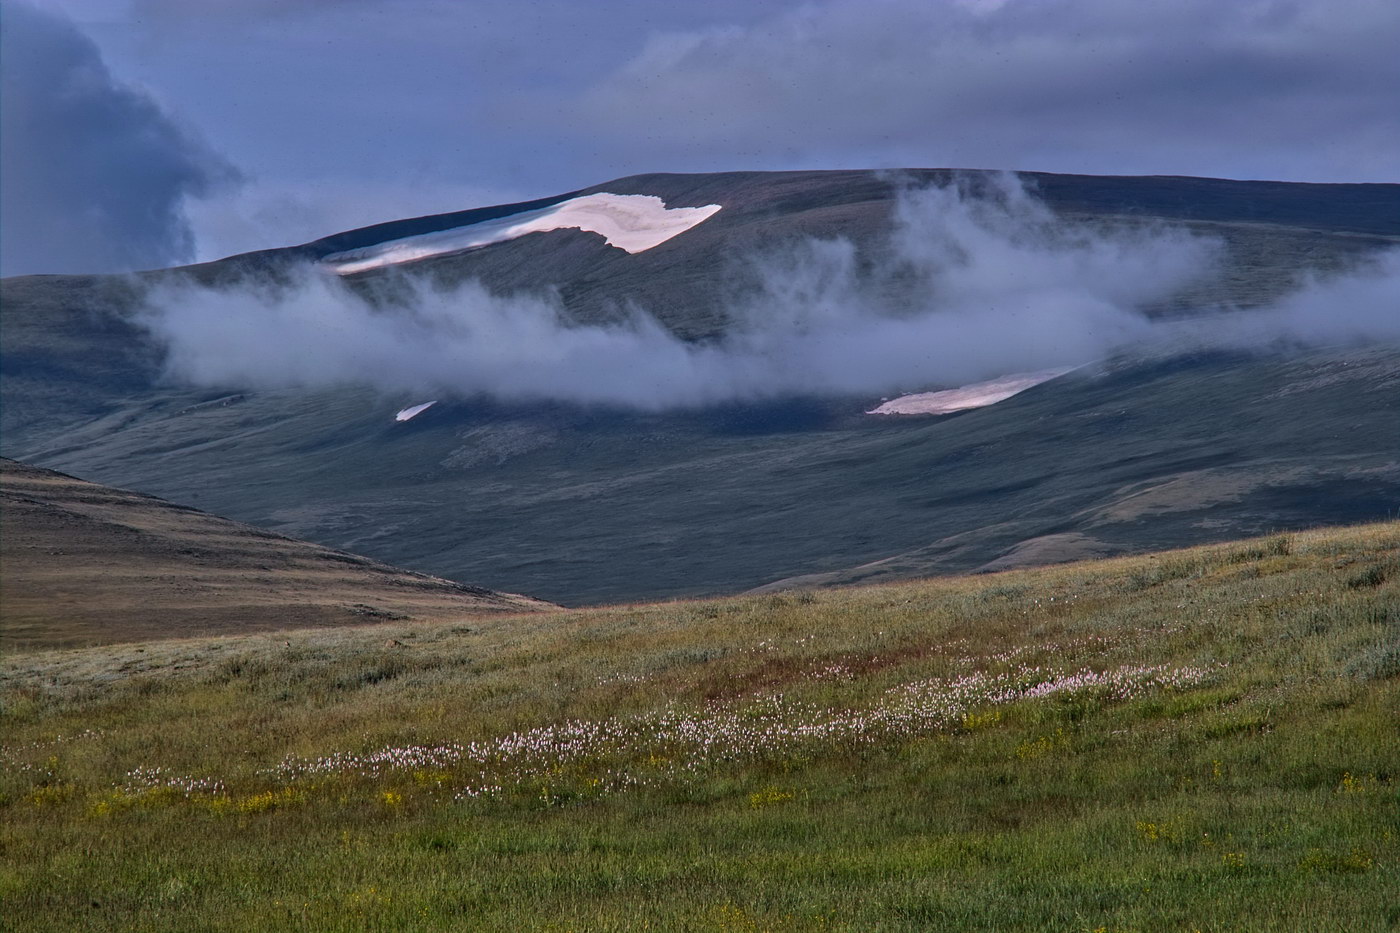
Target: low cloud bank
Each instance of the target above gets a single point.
(970, 287)
(1360, 307)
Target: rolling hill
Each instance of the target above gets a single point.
(85, 564)
(587, 503)
(1201, 739)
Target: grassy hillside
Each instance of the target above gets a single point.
(1198, 740)
(86, 564)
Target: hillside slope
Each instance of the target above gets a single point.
(87, 564)
(587, 504)
(597, 507)
(1193, 740)
(1270, 230)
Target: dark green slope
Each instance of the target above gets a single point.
(581, 507)
(588, 506)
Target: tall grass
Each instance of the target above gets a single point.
(1200, 740)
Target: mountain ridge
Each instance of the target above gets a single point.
(586, 504)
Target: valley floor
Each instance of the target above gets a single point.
(1200, 740)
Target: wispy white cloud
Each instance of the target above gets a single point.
(969, 288)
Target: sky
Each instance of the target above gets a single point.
(142, 133)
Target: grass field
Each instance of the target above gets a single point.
(1201, 740)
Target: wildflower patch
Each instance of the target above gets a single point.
(673, 744)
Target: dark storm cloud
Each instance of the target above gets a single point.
(94, 173)
(349, 112)
(1294, 89)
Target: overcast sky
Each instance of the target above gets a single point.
(146, 132)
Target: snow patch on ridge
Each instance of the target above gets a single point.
(632, 222)
(414, 411)
(976, 395)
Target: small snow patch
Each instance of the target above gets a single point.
(632, 222)
(976, 395)
(414, 411)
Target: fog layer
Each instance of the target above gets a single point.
(968, 288)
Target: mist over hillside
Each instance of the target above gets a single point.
(966, 285)
(689, 417)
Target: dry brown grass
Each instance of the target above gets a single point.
(85, 564)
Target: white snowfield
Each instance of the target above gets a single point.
(414, 411)
(976, 395)
(633, 222)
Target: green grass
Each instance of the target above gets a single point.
(883, 758)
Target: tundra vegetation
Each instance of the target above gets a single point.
(1198, 740)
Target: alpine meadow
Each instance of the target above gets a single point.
(730, 467)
